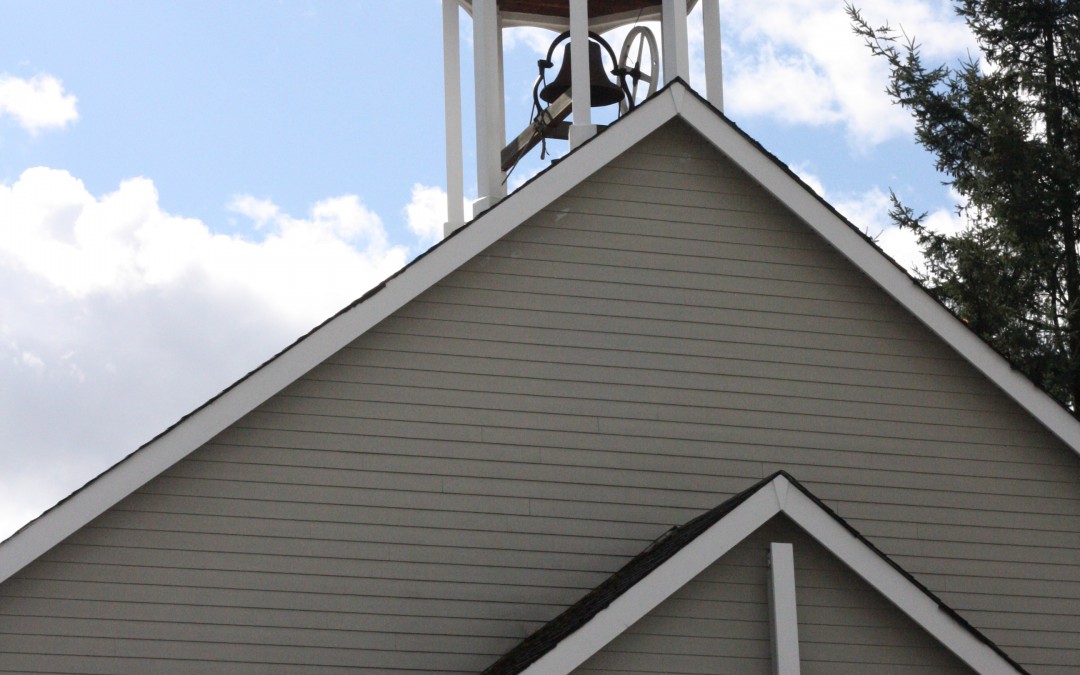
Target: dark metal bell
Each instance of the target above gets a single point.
(604, 91)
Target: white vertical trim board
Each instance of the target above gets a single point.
(783, 620)
(582, 128)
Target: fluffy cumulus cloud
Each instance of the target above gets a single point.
(425, 215)
(123, 243)
(798, 61)
(118, 317)
(37, 103)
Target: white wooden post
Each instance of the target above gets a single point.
(455, 190)
(714, 60)
(580, 87)
(676, 49)
(784, 624)
(486, 68)
(500, 112)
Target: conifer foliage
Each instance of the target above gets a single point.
(1005, 130)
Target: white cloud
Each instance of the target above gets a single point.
(117, 317)
(260, 211)
(869, 211)
(797, 61)
(123, 243)
(38, 103)
(426, 214)
(531, 37)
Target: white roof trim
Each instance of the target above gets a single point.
(727, 533)
(676, 100)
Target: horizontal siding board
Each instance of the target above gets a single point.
(285, 601)
(726, 425)
(210, 652)
(401, 368)
(748, 297)
(360, 589)
(738, 263)
(211, 547)
(160, 567)
(746, 440)
(91, 665)
(770, 331)
(808, 321)
(570, 412)
(735, 228)
(69, 616)
(379, 496)
(734, 182)
(564, 234)
(833, 365)
(262, 446)
(680, 392)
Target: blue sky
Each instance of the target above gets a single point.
(186, 187)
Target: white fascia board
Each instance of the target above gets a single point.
(727, 533)
(807, 206)
(147, 462)
(659, 585)
(900, 590)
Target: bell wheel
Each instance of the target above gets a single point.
(640, 61)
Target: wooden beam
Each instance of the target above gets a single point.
(543, 126)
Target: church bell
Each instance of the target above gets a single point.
(604, 91)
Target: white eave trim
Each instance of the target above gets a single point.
(778, 496)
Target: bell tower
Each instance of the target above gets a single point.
(583, 81)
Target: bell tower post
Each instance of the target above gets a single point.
(575, 19)
(581, 92)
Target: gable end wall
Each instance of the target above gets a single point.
(653, 342)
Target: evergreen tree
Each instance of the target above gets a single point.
(1006, 133)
